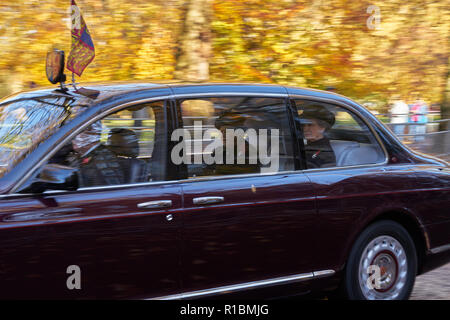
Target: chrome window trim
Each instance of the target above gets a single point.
(199, 95)
(361, 117)
(247, 285)
(99, 188)
(230, 94)
(180, 181)
(249, 175)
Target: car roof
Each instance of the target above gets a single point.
(115, 89)
(105, 91)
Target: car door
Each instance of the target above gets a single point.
(241, 222)
(354, 188)
(102, 241)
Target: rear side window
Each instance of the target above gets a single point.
(335, 137)
(233, 135)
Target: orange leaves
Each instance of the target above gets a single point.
(315, 43)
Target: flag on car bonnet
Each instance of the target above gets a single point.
(82, 51)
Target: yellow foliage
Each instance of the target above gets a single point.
(314, 43)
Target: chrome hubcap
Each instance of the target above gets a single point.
(382, 269)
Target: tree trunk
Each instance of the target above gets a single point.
(195, 42)
(445, 114)
(445, 108)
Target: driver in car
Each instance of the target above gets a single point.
(98, 165)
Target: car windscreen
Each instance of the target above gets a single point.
(25, 123)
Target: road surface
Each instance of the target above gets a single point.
(434, 285)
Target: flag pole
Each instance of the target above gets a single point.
(73, 82)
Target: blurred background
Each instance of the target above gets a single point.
(391, 56)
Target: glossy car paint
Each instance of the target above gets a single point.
(268, 226)
(122, 250)
(252, 234)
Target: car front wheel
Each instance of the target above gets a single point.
(382, 264)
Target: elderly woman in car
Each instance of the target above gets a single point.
(316, 120)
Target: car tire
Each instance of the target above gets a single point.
(384, 251)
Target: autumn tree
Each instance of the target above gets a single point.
(446, 97)
(310, 43)
(195, 42)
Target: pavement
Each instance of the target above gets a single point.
(434, 285)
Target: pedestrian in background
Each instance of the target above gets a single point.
(399, 116)
(422, 120)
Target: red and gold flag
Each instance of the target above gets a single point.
(82, 52)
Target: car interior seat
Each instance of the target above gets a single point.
(125, 144)
(349, 153)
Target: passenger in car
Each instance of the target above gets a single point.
(234, 120)
(316, 120)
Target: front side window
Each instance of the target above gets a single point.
(233, 135)
(25, 123)
(335, 137)
(123, 148)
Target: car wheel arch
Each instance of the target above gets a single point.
(407, 221)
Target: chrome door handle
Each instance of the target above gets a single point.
(156, 204)
(208, 200)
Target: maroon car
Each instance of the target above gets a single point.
(171, 191)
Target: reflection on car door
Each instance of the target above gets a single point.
(124, 240)
(241, 223)
(347, 198)
(255, 228)
(351, 190)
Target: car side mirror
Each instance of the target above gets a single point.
(54, 177)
